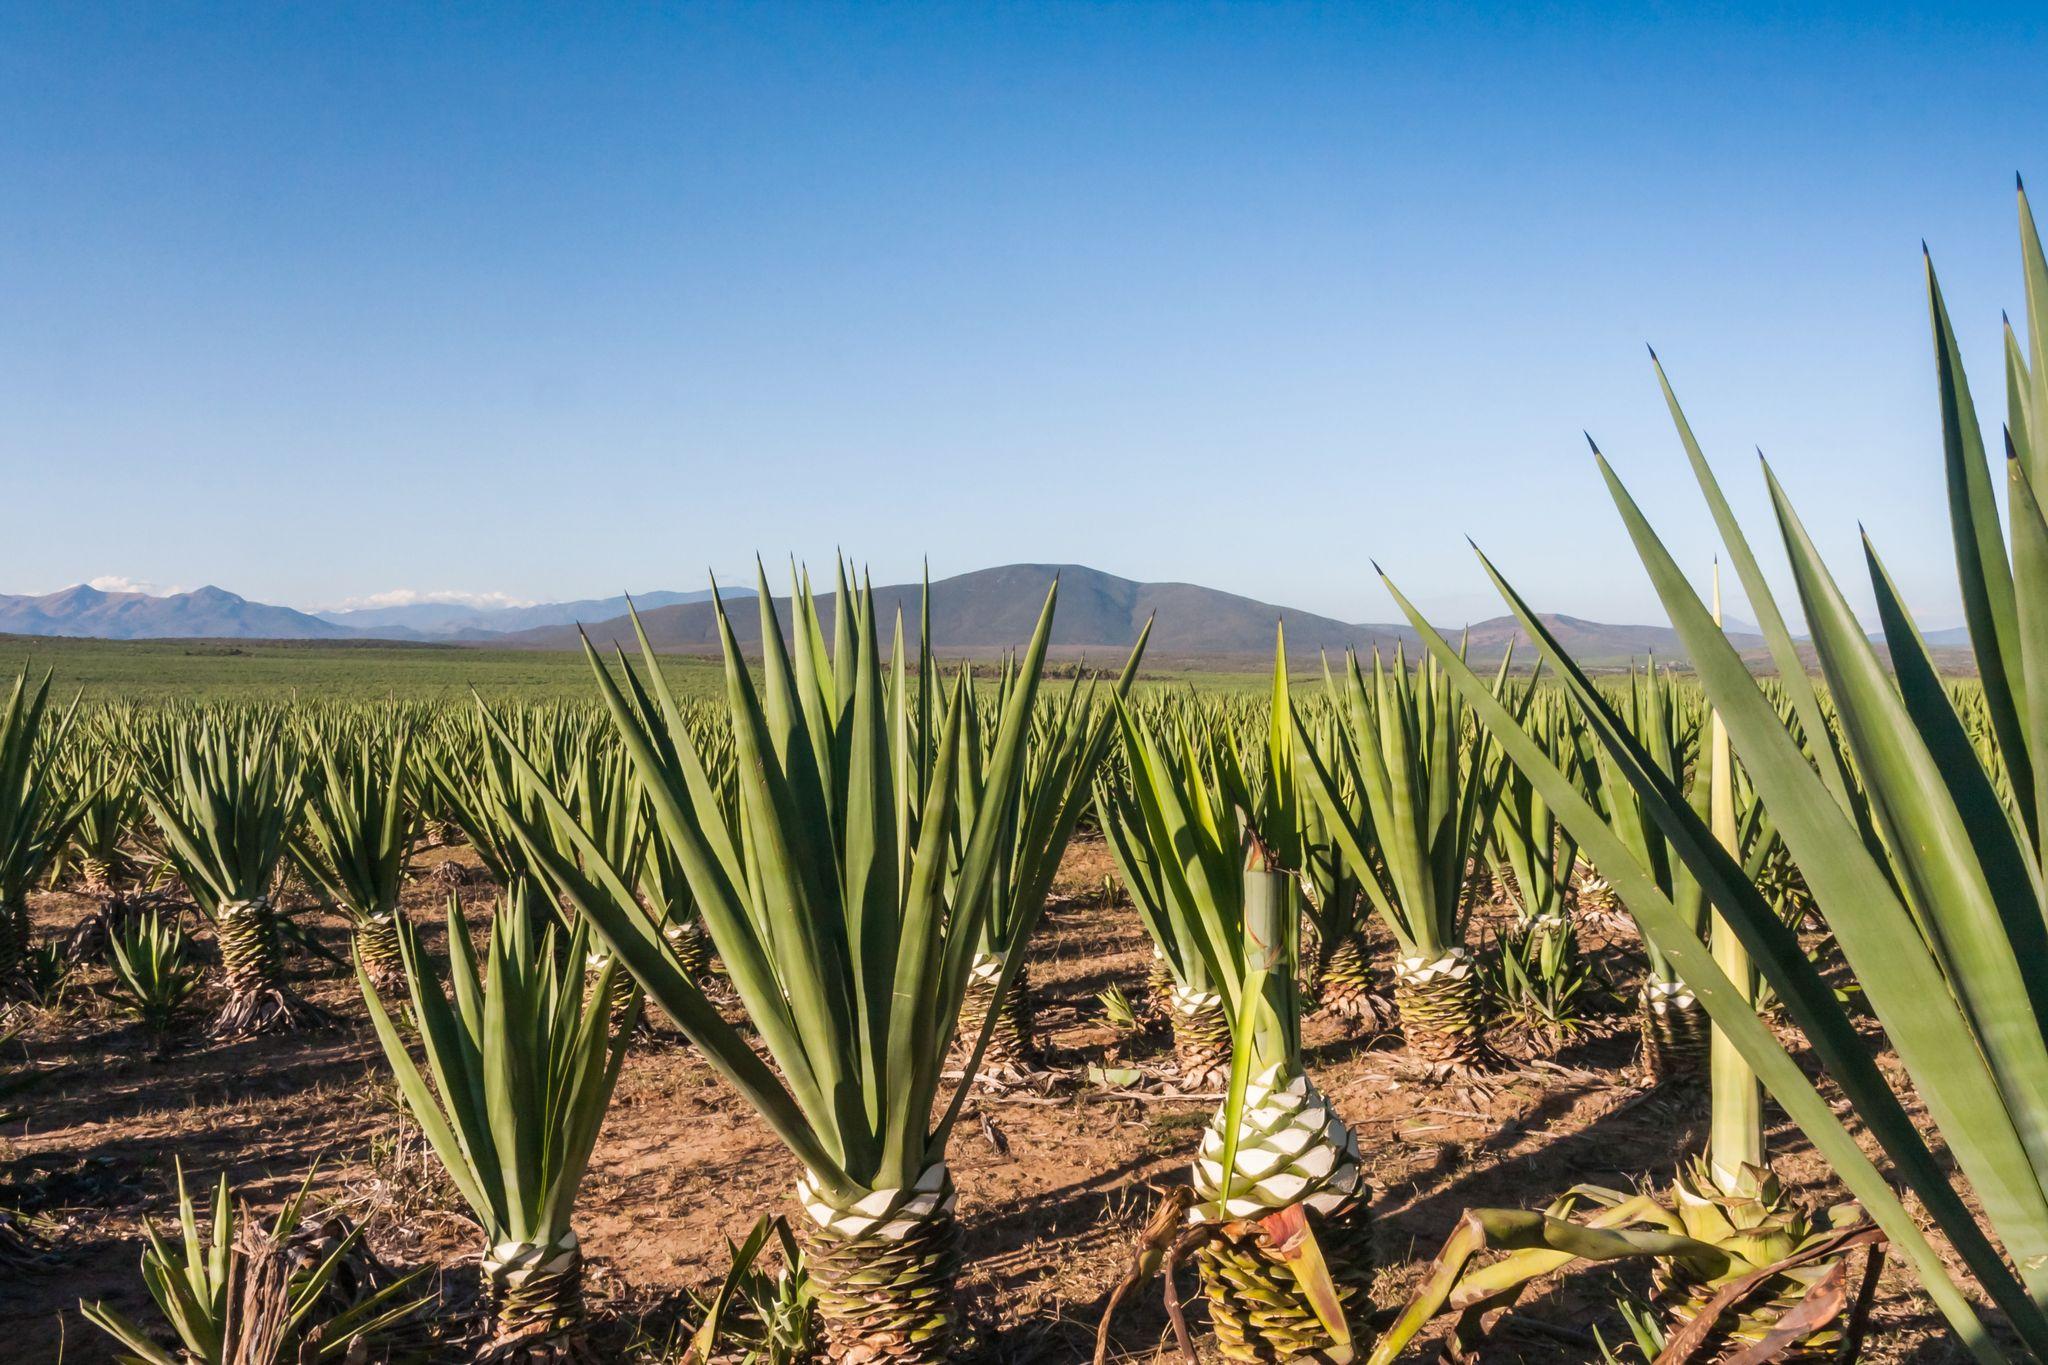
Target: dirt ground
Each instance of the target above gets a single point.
(1052, 1186)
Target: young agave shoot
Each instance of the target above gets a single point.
(846, 903)
(524, 1064)
(1534, 859)
(1278, 1185)
(241, 1292)
(1277, 1162)
(1730, 1197)
(153, 973)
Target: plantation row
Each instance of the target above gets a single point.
(829, 882)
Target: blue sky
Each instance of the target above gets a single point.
(322, 302)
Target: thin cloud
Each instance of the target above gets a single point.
(416, 597)
(114, 582)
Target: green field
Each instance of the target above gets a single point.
(167, 670)
(157, 671)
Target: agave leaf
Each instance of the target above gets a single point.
(1982, 572)
(601, 895)
(1770, 620)
(802, 912)
(453, 1152)
(2030, 569)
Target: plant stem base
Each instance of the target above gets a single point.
(1201, 1042)
(377, 946)
(1159, 988)
(692, 947)
(536, 1305)
(267, 1009)
(1675, 1035)
(1257, 1308)
(1347, 988)
(1443, 1016)
(884, 1279)
(1013, 1054)
(259, 1001)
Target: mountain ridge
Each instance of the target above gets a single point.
(463, 620)
(989, 610)
(979, 613)
(83, 611)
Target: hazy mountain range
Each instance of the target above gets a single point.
(459, 620)
(216, 614)
(976, 613)
(209, 612)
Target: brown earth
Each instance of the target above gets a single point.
(1052, 1186)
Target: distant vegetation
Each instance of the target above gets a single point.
(349, 670)
(166, 670)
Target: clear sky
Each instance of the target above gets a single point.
(319, 302)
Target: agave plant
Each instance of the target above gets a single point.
(754, 1316)
(1333, 893)
(846, 904)
(1673, 1027)
(242, 1294)
(470, 781)
(154, 973)
(1541, 974)
(359, 829)
(1067, 743)
(44, 973)
(1405, 795)
(1183, 991)
(1280, 1204)
(225, 794)
(37, 814)
(664, 882)
(98, 851)
(524, 1064)
(1929, 878)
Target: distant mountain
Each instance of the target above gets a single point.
(1592, 642)
(208, 612)
(993, 609)
(973, 614)
(458, 620)
(416, 620)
